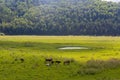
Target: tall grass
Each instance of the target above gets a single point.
(100, 62)
(93, 67)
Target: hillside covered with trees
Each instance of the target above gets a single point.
(59, 17)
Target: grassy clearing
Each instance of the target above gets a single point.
(100, 62)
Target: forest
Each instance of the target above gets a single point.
(59, 17)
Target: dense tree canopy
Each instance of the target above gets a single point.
(59, 17)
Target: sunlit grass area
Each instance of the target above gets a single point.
(34, 50)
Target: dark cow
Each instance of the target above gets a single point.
(66, 62)
(56, 62)
(48, 60)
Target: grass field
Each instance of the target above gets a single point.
(99, 62)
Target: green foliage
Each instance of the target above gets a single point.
(60, 17)
(93, 67)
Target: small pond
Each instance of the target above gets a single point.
(73, 48)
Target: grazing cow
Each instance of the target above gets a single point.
(57, 62)
(48, 61)
(66, 62)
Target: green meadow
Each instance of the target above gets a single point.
(101, 61)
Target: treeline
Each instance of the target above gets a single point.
(59, 17)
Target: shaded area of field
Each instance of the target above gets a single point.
(23, 58)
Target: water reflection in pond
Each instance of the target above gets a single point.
(73, 48)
